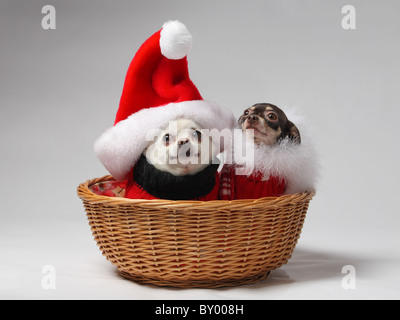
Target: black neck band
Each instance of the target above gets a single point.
(165, 185)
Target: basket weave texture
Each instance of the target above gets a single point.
(191, 244)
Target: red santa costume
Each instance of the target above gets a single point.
(157, 90)
(252, 186)
(150, 183)
(271, 171)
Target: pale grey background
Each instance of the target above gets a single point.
(60, 90)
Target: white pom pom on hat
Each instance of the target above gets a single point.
(175, 40)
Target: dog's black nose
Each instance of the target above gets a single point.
(253, 118)
(182, 142)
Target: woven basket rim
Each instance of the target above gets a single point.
(84, 192)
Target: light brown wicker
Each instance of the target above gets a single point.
(191, 244)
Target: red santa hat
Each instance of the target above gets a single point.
(157, 89)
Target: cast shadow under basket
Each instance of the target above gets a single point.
(193, 244)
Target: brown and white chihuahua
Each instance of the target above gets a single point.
(276, 142)
(269, 123)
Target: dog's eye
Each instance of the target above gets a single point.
(272, 116)
(167, 139)
(196, 134)
(246, 112)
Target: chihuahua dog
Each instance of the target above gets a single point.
(177, 165)
(269, 123)
(177, 149)
(273, 136)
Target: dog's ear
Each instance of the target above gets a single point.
(293, 133)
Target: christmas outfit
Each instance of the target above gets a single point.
(150, 183)
(271, 171)
(157, 90)
(253, 186)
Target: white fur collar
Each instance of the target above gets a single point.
(297, 164)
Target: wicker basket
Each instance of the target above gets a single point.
(191, 244)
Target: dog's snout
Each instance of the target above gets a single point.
(253, 118)
(182, 142)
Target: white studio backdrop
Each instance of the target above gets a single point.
(60, 87)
